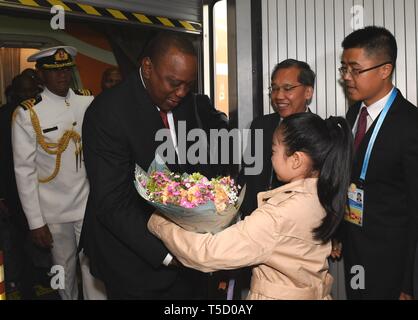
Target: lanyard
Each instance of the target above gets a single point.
(375, 132)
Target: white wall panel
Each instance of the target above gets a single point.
(399, 31)
(300, 30)
(410, 50)
(291, 28)
(378, 12)
(312, 31)
(311, 43)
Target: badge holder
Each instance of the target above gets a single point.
(355, 208)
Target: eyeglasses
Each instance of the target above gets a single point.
(356, 72)
(286, 88)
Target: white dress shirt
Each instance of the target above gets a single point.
(373, 111)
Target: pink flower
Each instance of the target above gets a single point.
(192, 190)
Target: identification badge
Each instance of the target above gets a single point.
(354, 210)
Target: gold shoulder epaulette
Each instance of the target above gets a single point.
(30, 103)
(83, 92)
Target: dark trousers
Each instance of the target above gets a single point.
(189, 285)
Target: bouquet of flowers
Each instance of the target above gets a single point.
(192, 201)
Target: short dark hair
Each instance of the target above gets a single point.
(164, 40)
(375, 41)
(306, 75)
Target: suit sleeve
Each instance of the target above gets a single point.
(211, 118)
(215, 119)
(3, 152)
(247, 243)
(249, 204)
(24, 155)
(410, 171)
(118, 207)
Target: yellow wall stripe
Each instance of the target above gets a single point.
(94, 10)
(117, 14)
(89, 9)
(187, 25)
(142, 18)
(29, 3)
(166, 22)
(59, 3)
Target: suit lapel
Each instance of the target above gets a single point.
(359, 155)
(352, 114)
(147, 122)
(271, 179)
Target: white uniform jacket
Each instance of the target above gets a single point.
(64, 198)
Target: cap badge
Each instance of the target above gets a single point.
(61, 55)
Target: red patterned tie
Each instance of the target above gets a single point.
(361, 127)
(164, 118)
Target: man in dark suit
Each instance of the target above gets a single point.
(118, 132)
(19, 267)
(379, 245)
(291, 91)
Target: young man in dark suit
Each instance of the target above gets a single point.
(379, 234)
(119, 131)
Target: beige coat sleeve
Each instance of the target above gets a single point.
(249, 242)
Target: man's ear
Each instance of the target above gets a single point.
(386, 71)
(309, 94)
(146, 66)
(40, 74)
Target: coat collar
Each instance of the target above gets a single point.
(308, 185)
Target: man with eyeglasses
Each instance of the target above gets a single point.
(119, 131)
(380, 232)
(291, 91)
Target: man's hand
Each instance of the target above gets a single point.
(405, 296)
(42, 237)
(337, 247)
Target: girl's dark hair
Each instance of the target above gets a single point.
(329, 145)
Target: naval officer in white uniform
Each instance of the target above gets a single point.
(48, 160)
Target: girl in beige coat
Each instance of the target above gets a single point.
(287, 239)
